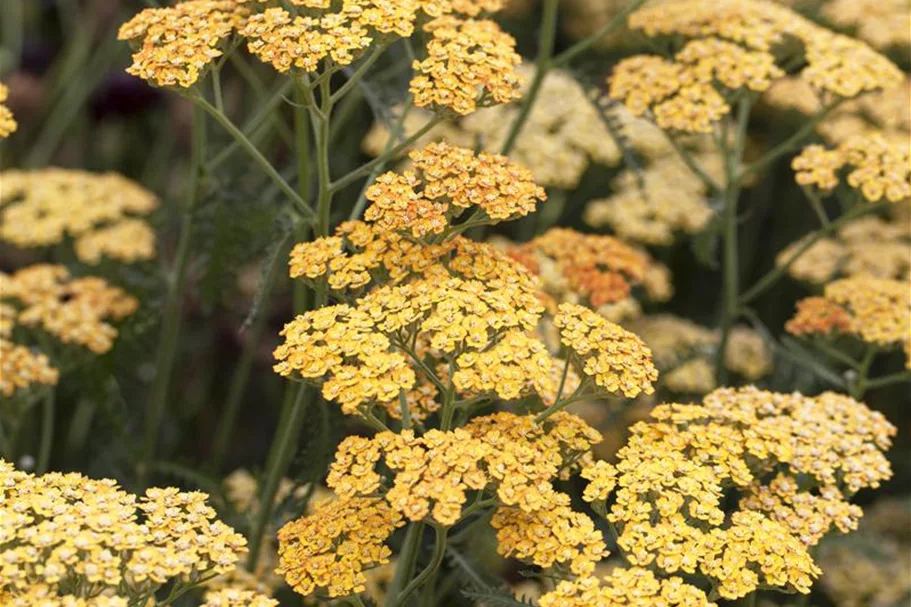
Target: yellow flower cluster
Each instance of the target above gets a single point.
(553, 535)
(682, 93)
(21, 367)
(42, 207)
(836, 64)
(657, 203)
(633, 587)
(341, 344)
(333, 547)
(878, 167)
(65, 533)
(883, 24)
(869, 246)
(601, 270)
(74, 310)
(8, 124)
(676, 470)
(233, 597)
(177, 43)
(447, 180)
(875, 310)
(469, 63)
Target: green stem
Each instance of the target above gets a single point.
(547, 35)
(394, 135)
(365, 169)
(47, 432)
(730, 260)
(173, 306)
(357, 74)
(439, 549)
(408, 556)
(776, 273)
(305, 210)
(817, 205)
(321, 128)
(225, 429)
(280, 456)
(790, 143)
(888, 380)
(859, 387)
(586, 43)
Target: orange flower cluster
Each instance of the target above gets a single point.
(42, 207)
(445, 181)
(875, 310)
(633, 587)
(177, 43)
(600, 270)
(675, 471)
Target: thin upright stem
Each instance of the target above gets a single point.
(730, 256)
(407, 558)
(283, 447)
(321, 128)
(547, 35)
(358, 74)
(302, 207)
(859, 387)
(172, 314)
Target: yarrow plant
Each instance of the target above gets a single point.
(480, 362)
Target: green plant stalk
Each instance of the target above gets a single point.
(586, 43)
(241, 376)
(439, 550)
(547, 36)
(47, 431)
(173, 307)
(888, 380)
(730, 254)
(394, 135)
(280, 456)
(776, 273)
(859, 387)
(302, 207)
(407, 559)
(321, 129)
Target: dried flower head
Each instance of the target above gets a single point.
(8, 124)
(469, 63)
(42, 207)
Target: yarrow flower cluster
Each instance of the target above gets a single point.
(869, 246)
(732, 48)
(99, 211)
(675, 471)
(599, 270)
(177, 43)
(72, 310)
(8, 124)
(70, 540)
(635, 587)
(875, 310)
(445, 181)
(876, 166)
